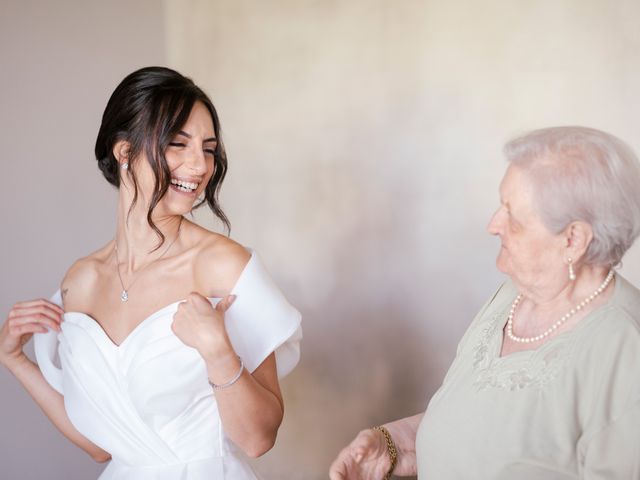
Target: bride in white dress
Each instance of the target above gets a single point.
(162, 350)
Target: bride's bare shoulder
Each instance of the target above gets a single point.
(82, 276)
(220, 261)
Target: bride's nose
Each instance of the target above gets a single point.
(196, 161)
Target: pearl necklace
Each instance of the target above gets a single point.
(566, 317)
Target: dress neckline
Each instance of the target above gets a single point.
(103, 333)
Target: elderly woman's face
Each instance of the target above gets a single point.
(530, 254)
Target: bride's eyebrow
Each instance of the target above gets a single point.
(185, 134)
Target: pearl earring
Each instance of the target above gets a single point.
(124, 166)
(572, 273)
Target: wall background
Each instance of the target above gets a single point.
(364, 141)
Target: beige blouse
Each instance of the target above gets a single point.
(569, 409)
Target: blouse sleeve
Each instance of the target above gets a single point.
(261, 321)
(46, 350)
(614, 452)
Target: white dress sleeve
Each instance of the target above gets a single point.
(261, 321)
(46, 350)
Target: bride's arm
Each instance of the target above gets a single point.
(251, 409)
(24, 319)
(251, 406)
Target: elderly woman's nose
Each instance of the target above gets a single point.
(494, 227)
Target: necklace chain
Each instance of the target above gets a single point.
(124, 295)
(562, 320)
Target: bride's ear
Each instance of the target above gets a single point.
(121, 151)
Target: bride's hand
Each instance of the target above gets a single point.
(365, 458)
(25, 319)
(201, 326)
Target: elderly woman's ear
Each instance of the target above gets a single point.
(578, 236)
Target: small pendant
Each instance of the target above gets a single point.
(124, 296)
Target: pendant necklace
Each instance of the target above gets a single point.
(124, 295)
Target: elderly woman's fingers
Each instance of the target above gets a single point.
(337, 475)
(338, 469)
(346, 465)
(363, 459)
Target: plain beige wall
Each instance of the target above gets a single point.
(364, 145)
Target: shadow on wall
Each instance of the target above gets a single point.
(365, 357)
(329, 399)
(373, 348)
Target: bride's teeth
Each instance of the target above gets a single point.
(184, 185)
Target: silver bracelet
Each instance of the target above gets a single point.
(232, 381)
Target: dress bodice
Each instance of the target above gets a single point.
(147, 401)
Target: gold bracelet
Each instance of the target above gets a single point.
(391, 449)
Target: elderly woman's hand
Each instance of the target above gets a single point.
(365, 458)
(25, 319)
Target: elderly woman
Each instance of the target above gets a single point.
(545, 383)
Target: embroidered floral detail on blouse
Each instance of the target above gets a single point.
(535, 369)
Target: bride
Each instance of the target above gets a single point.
(162, 350)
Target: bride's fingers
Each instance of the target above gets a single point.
(45, 309)
(35, 319)
(28, 328)
(41, 310)
(224, 304)
(34, 312)
(39, 302)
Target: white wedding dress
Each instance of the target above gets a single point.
(147, 401)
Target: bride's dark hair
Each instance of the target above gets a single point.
(147, 110)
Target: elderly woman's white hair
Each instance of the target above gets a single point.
(583, 174)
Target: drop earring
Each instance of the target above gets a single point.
(572, 273)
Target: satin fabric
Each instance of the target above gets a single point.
(147, 401)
